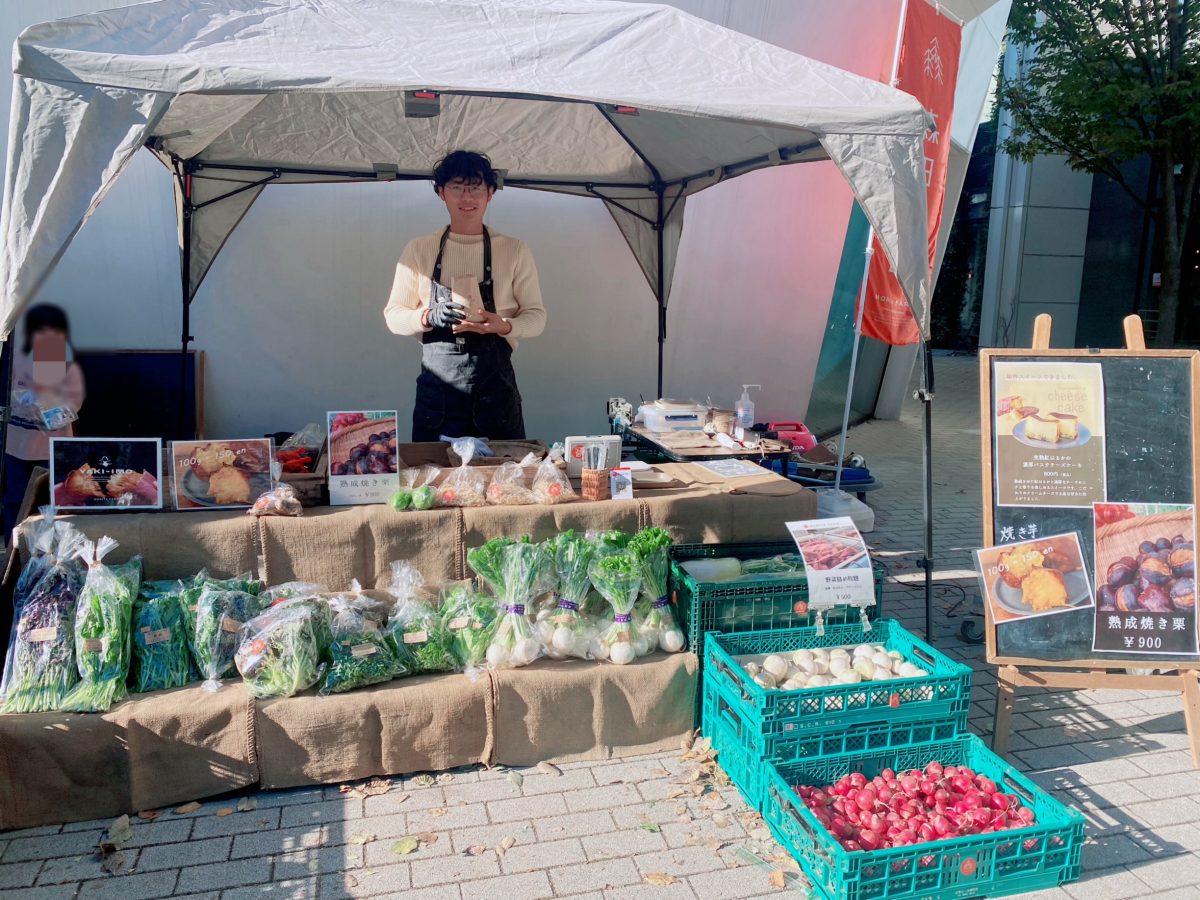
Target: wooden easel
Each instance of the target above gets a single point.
(1016, 672)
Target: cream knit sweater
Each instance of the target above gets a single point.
(514, 280)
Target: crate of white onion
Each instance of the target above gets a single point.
(796, 694)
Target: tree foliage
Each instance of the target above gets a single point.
(1102, 82)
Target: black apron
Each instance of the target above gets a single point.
(467, 386)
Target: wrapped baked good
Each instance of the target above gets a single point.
(465, 485)
(550, 484)
(508, 486)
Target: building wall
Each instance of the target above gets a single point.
(1037, 236)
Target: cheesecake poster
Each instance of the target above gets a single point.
(1049, 435)
(1145, 569)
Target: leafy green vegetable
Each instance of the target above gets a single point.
(190, 599)
(401, 500)
(278, 654)
(612, 541)
(618, 578)
(43, 660)
(488, 562)
(220, 615)
(103, 617)
(415, 632)
(649, 548)
(470, 618)
(523, 570)
(424, 497)
(161, 658)
(358, 655)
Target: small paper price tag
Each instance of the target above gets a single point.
(232, 626)
(363, 650)
(155, 637)
(93, 645)
(459, 623)
(42, 635)
(416, 637)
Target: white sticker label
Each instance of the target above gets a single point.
(155, 637)
(363, 650)
(42, 635)
(416, 637)
(459, 623)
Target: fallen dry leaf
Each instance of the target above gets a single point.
(425, 780)
(112, 858)
(661, 879)
(445, 778)
(245, 804)
(516, 778)
(693, 776)
(428, 838)
(681, 809)
(688, 740)
(505, 845)
(777, 878)
(405, 845)
(120, 830)
(377, 786)
(702, 746)
(225, 811)
(475, 850)
(698, 789)
(360, 838)
(721, 821)
(149, 815)
(659, 773)
(548, 768)
(350, 881)
(439, 812)
(715, 845)
(650, 827)
(678, 792)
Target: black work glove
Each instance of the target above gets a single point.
(443, 311)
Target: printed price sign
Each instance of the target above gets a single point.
(837, 563)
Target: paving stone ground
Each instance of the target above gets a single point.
(597, 830)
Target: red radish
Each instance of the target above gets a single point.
(928, 787)
(942, 826)
(909, 784)
(852, 846)
(858, 779)
(962, 783)
(888, 775)
(884, 794)
(869, 839)
(986, 785)
(941, 795)
(866, 799)
(926, 832)
(934, 769)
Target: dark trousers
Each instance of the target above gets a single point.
(16, 479)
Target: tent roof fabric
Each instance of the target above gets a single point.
(629, 102)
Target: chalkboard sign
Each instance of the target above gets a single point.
(1102, 444)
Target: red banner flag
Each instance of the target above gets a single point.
(928, 69)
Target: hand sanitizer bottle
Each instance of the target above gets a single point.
(744, 408)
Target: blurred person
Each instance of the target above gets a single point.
(46, 378)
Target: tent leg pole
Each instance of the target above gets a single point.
(9, 351)
(858, 318)
(925, 395)
(185, 269)
(660, 294)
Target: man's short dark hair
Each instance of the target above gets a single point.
(471, 167)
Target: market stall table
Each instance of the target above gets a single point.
(697, 446)
(156, 749)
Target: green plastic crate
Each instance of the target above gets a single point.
(1042, 855)
(743, 753)
(733, 606)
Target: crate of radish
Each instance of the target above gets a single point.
(947, 819)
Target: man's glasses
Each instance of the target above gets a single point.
(457, 189)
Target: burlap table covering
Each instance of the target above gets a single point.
(149, 751)
(427, 723)
(576, 710)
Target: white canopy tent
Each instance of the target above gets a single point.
(636, 104)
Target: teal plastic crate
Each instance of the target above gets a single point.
(942, 695)
(1042, 855)
(743, 753)
(759, 605)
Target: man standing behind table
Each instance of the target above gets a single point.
(467, 386)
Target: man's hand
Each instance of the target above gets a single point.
(444, 312)
(491, 324)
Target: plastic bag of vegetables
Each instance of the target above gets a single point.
(513, 643)
(277, 653)
(470, 618)
(189, 600)
(220, 615)
(358, 655)
(649, 548)
(375, 606)
(40, 539)
(161, 658)
(416, 632)
(416, 489)
(465, 485)
(103, 617)
(564, 630)
(290, 590)
(508, 486)
(550, 484)
(43, 660)
(488, 563)
(617, 577)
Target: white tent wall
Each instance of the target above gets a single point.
(299, 293)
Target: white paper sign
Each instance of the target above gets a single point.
(837, 562)
(732, 468)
